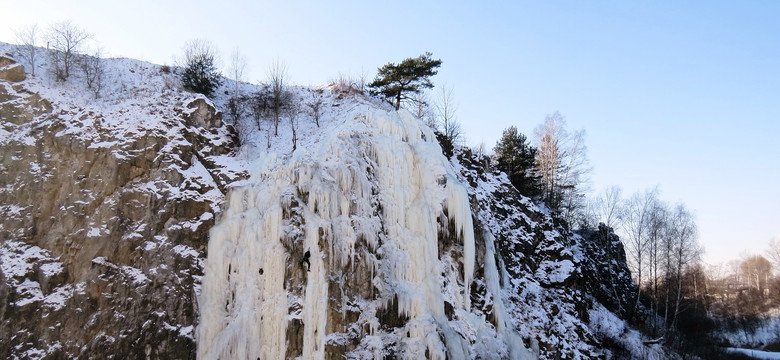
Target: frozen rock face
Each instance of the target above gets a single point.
(106, 211)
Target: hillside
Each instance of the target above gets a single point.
(136, 225)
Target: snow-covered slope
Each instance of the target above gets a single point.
(110, 204)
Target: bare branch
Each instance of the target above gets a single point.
(28, 37)
(66, 41)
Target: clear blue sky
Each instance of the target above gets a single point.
(684, 95)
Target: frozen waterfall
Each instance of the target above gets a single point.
(368, 202)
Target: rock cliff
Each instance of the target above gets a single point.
(106, 211)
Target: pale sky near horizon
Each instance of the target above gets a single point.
(685, 96)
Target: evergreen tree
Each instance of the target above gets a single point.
(514, 156)
(200, 72)
(400, 82)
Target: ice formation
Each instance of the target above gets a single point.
(380, 180)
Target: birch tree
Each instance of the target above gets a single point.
(561, 160)
(635, 225)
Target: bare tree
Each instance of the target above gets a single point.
(756, 269)
(237, 68)
(657, 234)
(446, 109)
(236, 100)
(362, 81)
(259, 103)
(637, 217)
(94, 69)
(686, 253)
(292, 109)
(244, 128)
(277, 79)
(607, 207)
(562, 164)
(773, 252)
(66, 41)
(480, 151)
(27, 37)
(420, 108)
(315, 106)
(235, 105)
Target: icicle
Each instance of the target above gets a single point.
(513, 340)
(459, 210)
(256, 303)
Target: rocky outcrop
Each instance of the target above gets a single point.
(605, 272)
(105, 223)
(10, 70)
(542, 263)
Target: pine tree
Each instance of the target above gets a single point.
(397, 83)
(200, 72)
(515, 157)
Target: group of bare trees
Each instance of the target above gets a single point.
(273, 101)
(747, 286)
(661, 247)
(68, 47)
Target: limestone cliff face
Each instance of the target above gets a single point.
(106, 211)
